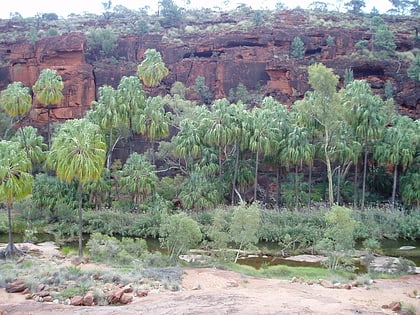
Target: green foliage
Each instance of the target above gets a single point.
(245, 224)
(103, 248)
(381, 223)
(330, 40)
(361, 46)
(172, 14)
(16, 100)
(383, 39)
(152, 69)
(137, 177)
(202, 91)
(179, 233)
(388, 90)
(297, 48)
(348, 76)
(413, 71)
(101, 42)
(292, 230)
(339, 237)
(48, 88)
(355, 6)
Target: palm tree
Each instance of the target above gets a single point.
(130, 100)
(15, 182)
(152, 69)
(107, 115)
(261, 131)
(152, 121)
(398, 147)
(296, 149)
(368, 116)
(48, 90)
(78, 153)
(138, 177)
(16, 101)
(32, 143)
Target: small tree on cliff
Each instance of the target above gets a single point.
(298, 48)
(152, 69)
(48, 90)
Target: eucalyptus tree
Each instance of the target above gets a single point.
(152, 69)
(398, 147)
(15, 182)
(138, 177)
(16, 100)
(323, 106)
(48, 90)
(78, 153)
(368, 117)
(152, 121)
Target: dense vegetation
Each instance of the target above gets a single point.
(216, 172)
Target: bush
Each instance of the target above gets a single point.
(179, 233)
(106, 248)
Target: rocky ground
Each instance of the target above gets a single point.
(215, 291)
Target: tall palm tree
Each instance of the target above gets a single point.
(261, 133)
(130, 100)
(16, 101)
(152, 69)
(106, 113)
(152, 121)
(398, 147)
(296, 149)
(368, 116)
(15, 182)
(78, 153)
(48, 90)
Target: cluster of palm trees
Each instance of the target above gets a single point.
(217, 149)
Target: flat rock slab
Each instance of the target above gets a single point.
(308, 258)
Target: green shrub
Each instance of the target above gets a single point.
(179, 233)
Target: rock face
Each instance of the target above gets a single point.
(257, 57)
(65, 54)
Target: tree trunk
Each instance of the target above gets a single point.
(80, 232)
(329, 172)
(296, 188)
(11, 249)
(394, 186)
(278, 185)
(310, 186)
(235, 174)
(256, 177)
(355, 190)
(365, 161)
(338, 185)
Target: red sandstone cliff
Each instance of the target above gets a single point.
(258, 56)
